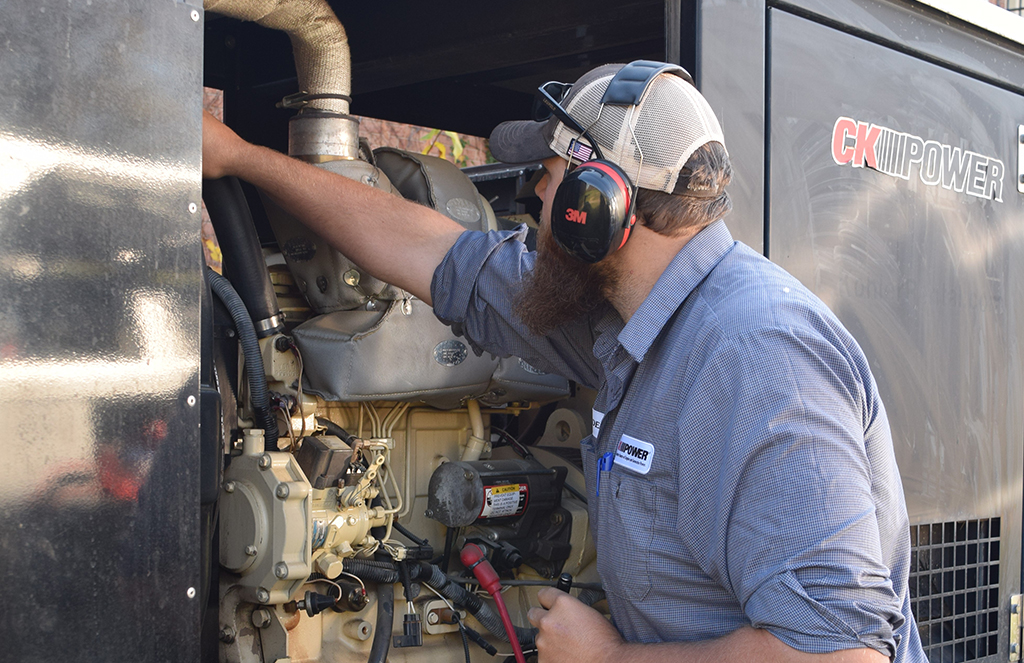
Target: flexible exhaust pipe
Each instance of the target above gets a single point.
(323, 130)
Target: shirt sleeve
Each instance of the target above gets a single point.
(474, 289)
(795, 535)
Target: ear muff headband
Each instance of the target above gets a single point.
(629, 83)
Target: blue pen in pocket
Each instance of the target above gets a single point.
(604, 463)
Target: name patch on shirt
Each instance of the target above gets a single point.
(598, 418)
(634, 454)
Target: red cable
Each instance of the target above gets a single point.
(473, 558)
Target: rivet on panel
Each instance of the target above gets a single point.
(195, 15)
(191, 400)
(192, 208)
(190, 592)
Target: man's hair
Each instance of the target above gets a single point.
(671, 214)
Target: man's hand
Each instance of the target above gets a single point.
(221, 146)
(571, 631)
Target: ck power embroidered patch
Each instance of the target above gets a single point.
(634, 454)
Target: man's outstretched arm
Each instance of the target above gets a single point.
(395, 240)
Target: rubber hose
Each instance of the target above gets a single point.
(378, 571)
(336, 430)
(385, 622)
(483, 612)
(258, 393)
(243, 258)
(370, 571)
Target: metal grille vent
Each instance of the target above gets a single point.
(954, 588)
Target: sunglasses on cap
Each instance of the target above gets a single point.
(549, 102)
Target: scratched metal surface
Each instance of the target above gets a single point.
(99, 316)
(928, 280)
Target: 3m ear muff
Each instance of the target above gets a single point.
(594, 208)
(592, 212)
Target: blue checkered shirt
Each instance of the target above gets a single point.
(747, 473)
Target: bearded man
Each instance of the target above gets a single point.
(743, 490)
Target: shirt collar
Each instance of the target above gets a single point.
(693, 262)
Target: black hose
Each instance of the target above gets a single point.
(409, 535)
(385, 622)
(244, 265)
(483, 612)
(258, 393)
(370, 571)
(439, 580)
(336, 430)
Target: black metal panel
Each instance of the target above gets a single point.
(99, 353)
(926, 32)
(925, 275)
(731, 75)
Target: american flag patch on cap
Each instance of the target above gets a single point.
(579, 151)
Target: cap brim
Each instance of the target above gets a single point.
(520, 141)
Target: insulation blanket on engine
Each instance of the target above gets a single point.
(401, 351)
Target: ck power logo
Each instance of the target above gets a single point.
(902, 155)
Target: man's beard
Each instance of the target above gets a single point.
(560, 289)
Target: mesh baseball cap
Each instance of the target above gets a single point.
(669, 123)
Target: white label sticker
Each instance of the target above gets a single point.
(598, 418)
(634, 454)
(507, 500)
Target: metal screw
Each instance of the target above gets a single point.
(191, 400)
(229, 487)
(429, 513)
(195, 15)
(190, 592)
(282, 491)
(262, 596)
(227, 635)
(469, 475)
(192, 208)
(251, 550)
(432, 617)
(261, 618)
(280, 569)
(264, 461)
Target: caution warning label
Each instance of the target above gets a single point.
(503, 501)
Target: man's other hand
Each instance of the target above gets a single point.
(571, 631)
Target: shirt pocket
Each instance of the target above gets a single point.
(628, 511)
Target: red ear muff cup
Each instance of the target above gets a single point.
(589, 213)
